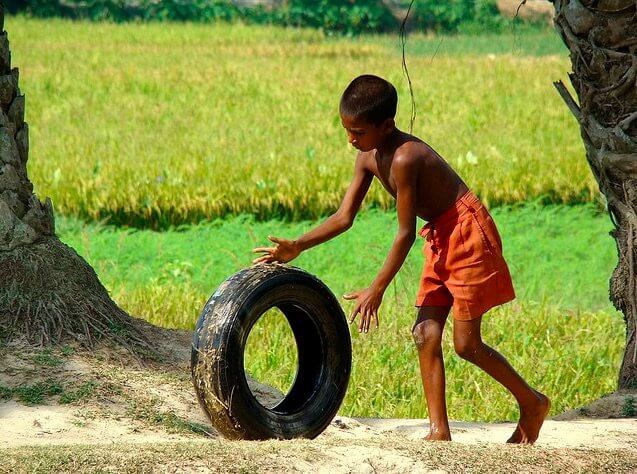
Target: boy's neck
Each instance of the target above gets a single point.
(391, 142)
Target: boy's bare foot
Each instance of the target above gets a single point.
(531, 419)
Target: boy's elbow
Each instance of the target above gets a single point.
(344, 220)
(407, 236)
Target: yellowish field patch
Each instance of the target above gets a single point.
(158, 124)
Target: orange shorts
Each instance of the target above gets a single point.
(464, 267)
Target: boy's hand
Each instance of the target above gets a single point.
(284, 251)
(367, 304)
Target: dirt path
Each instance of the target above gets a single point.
(64, 410)
(65, 425)
(53, 436)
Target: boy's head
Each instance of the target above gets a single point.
(367, 108)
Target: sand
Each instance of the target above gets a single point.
(155, 405)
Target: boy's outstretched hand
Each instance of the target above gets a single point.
(367, 303)
(284, 251)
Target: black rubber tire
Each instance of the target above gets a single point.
(324, 354)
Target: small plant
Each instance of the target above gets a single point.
(47, 358)
(35, 394)
(175, 424)
(584, 411)
(5, 393)
(84, 391)
(146, 410)
(79, 423)
(629, 409)
(67, 351)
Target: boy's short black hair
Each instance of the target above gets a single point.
(370, 98)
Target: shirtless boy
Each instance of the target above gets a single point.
(464, 268)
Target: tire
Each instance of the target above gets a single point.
(324, 354)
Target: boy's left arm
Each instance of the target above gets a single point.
(369, 299)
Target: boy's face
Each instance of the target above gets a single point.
(365, 136)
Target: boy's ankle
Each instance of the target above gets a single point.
(438, 436)
(439, 430)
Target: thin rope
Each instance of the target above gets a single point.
(403, 40)
(437, 49)
(516, 43)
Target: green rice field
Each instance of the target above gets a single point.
(156, 125)
(171, 150)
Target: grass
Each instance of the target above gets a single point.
(156, 125)
(6, 393)
(147, 409)
(47, 358)
(35, 394)
(629, 409)
(514, 40)
(561, 334)
(557, 254)
(83, 392)
(41, 392)
(270, 353)
(545, 346)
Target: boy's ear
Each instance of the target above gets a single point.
(389, 124)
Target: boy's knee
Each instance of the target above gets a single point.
(426, 335)
(467, 348)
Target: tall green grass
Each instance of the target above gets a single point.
(162, 124)
(561, 332)
(559, 255)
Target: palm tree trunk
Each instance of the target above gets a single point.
(601, 36)
(47, 291)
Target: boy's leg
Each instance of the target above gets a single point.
(427, 332)
(533, 405)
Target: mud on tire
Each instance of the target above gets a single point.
(324, 354)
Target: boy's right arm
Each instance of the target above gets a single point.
(334, 225)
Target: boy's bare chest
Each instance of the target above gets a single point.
(383, 172)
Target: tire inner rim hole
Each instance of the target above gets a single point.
(271, 358)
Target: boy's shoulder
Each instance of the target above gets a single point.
(413, 151)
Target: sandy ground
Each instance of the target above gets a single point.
(129, 404)
(349, 445)
(58, 425)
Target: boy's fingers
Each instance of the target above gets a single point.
(354, 313)
(351, 296)
(274, 239)
(263, 258)
(263, 249)
(376, 318)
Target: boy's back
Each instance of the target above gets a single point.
(436, 185)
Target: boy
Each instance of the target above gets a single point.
(464, 267)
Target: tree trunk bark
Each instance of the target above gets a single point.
(601, 36)
(47, 291)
